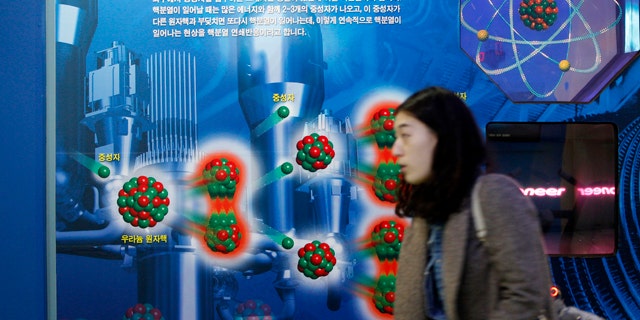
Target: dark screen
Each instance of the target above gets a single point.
(569, 170)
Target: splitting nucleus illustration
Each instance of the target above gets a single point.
(387, 239)
(223, 232)
(221, 176)
(382, 124)
(386, 181)
(223, 228)
(384, 293)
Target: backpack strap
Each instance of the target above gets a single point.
(478, 218)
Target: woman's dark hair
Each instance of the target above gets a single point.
(458, 156)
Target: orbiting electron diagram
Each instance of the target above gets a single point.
(528, 46)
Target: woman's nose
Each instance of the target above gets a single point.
(395, 148)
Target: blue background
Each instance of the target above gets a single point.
(22, 178)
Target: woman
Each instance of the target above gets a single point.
(444, 271)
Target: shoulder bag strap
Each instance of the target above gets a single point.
(478, 218)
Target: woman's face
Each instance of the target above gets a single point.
(414, 147)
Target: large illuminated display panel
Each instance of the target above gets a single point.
(569, 171)
(219, 160)
(216, 159)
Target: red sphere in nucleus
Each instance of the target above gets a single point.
(221, 175)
